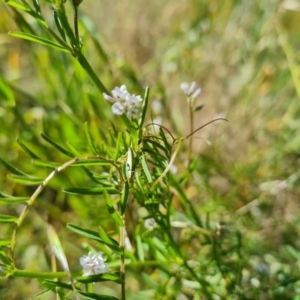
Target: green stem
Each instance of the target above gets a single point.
(75, 6)
(86, 66)
(159, 179)
(31, 201)
(50, 31)
(59, 40)
(74, 39)
(122, 265)
(190, 146)
(41, 188)
(61, 13)
(39, 275)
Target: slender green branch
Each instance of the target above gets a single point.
(59, 40)
(122, 265)
(159, 179)
(61, 13)
(108, 161)
(190, 146)
(75, 6)
(218, 119)
(40, 275)
(86, 66)
(50, 31)
(74, 39)
(42, 186)
(32, 199)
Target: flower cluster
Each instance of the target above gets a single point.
(93, 264)
(189, 89)
(124, 102)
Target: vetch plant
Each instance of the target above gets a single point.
(126, 169)
(219, 232)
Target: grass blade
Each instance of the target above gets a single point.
(27, 150)
(57, 146)
(12, 169)
(36, 39)
(92, 296)
(8, 219)
(25, 179)
(92, 191)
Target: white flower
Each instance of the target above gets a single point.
(118, 93)
(124, 102)
(118, 108)
(150, 223)
(93, 264)
(189, 89)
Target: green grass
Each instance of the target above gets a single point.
(232, 221)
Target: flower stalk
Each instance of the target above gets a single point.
(192, 94)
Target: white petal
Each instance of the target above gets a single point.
(123, 88)
(93, 264)
(132, 113)
(118, 108)
(133, 99)
(108, 98)
(119, 92)
(129, 115)
(196, 93)
(184, 87)
(191, 88)
(138, 98)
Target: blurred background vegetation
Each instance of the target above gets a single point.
(245, 56)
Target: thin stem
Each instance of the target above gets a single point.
(41, 188)
(159, 179)
(76, 20)
(218, 119)
(108, 161)
(190, 146)
(191, 109)
(40, 275)
(166, 129)
(122, 265)
(50, 31)
(86, 66)
(74, 50)
(59, 40)
(33, 198)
